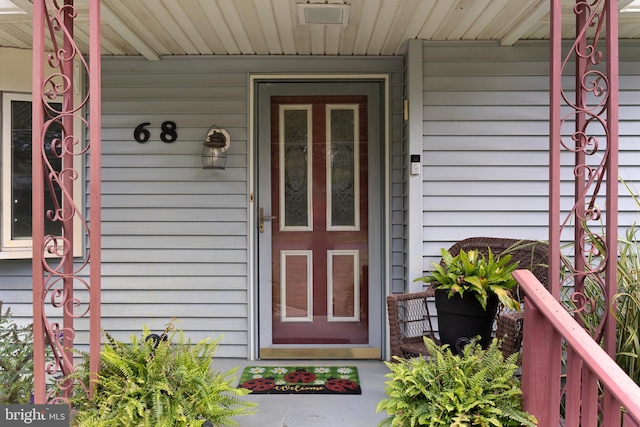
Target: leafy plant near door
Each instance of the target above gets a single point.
(158, 383)
(470, 272)
(468, 287)
(477, 388)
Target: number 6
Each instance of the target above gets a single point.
(141, 134)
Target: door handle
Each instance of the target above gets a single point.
(264, 218)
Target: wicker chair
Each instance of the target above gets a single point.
(410, 317)
(410, 321)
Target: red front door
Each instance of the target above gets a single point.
(319, 248)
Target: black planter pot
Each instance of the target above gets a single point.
(462, 319)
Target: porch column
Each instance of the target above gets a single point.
(413, 135)
(95, 189)
(587, 127)
(58, 268)
(37, 203)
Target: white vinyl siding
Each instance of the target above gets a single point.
(485, 141)
(176, 237)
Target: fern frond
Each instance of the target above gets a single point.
(476, 388)
(163, 384)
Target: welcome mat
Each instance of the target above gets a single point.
(301, 379)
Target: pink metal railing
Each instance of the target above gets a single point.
(56, 304)
(583, 122)
(594, 389)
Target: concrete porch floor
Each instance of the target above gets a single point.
(310, 410)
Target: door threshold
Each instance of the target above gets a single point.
(320, 353)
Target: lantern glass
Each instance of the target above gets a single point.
(213, 156)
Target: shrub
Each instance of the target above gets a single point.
(626, 299)
(477, 388)
(16, 360)
(158, 383)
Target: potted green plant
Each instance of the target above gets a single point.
(468, 287)
(477, 388)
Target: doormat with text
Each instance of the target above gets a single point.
(301, 379)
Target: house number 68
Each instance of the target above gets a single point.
(168, 134)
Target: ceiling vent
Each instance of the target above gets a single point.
(323, 13)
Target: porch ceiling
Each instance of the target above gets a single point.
(155, 28)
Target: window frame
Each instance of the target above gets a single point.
(23, 248)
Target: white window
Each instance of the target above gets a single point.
(16, 217)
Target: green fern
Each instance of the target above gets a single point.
(16, 359)
(476, 388)
(171, 385)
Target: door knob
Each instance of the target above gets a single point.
(264, 218)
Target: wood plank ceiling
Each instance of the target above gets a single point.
(155, 28)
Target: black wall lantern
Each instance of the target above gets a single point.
(214, 152)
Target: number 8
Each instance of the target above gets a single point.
(169, 133)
